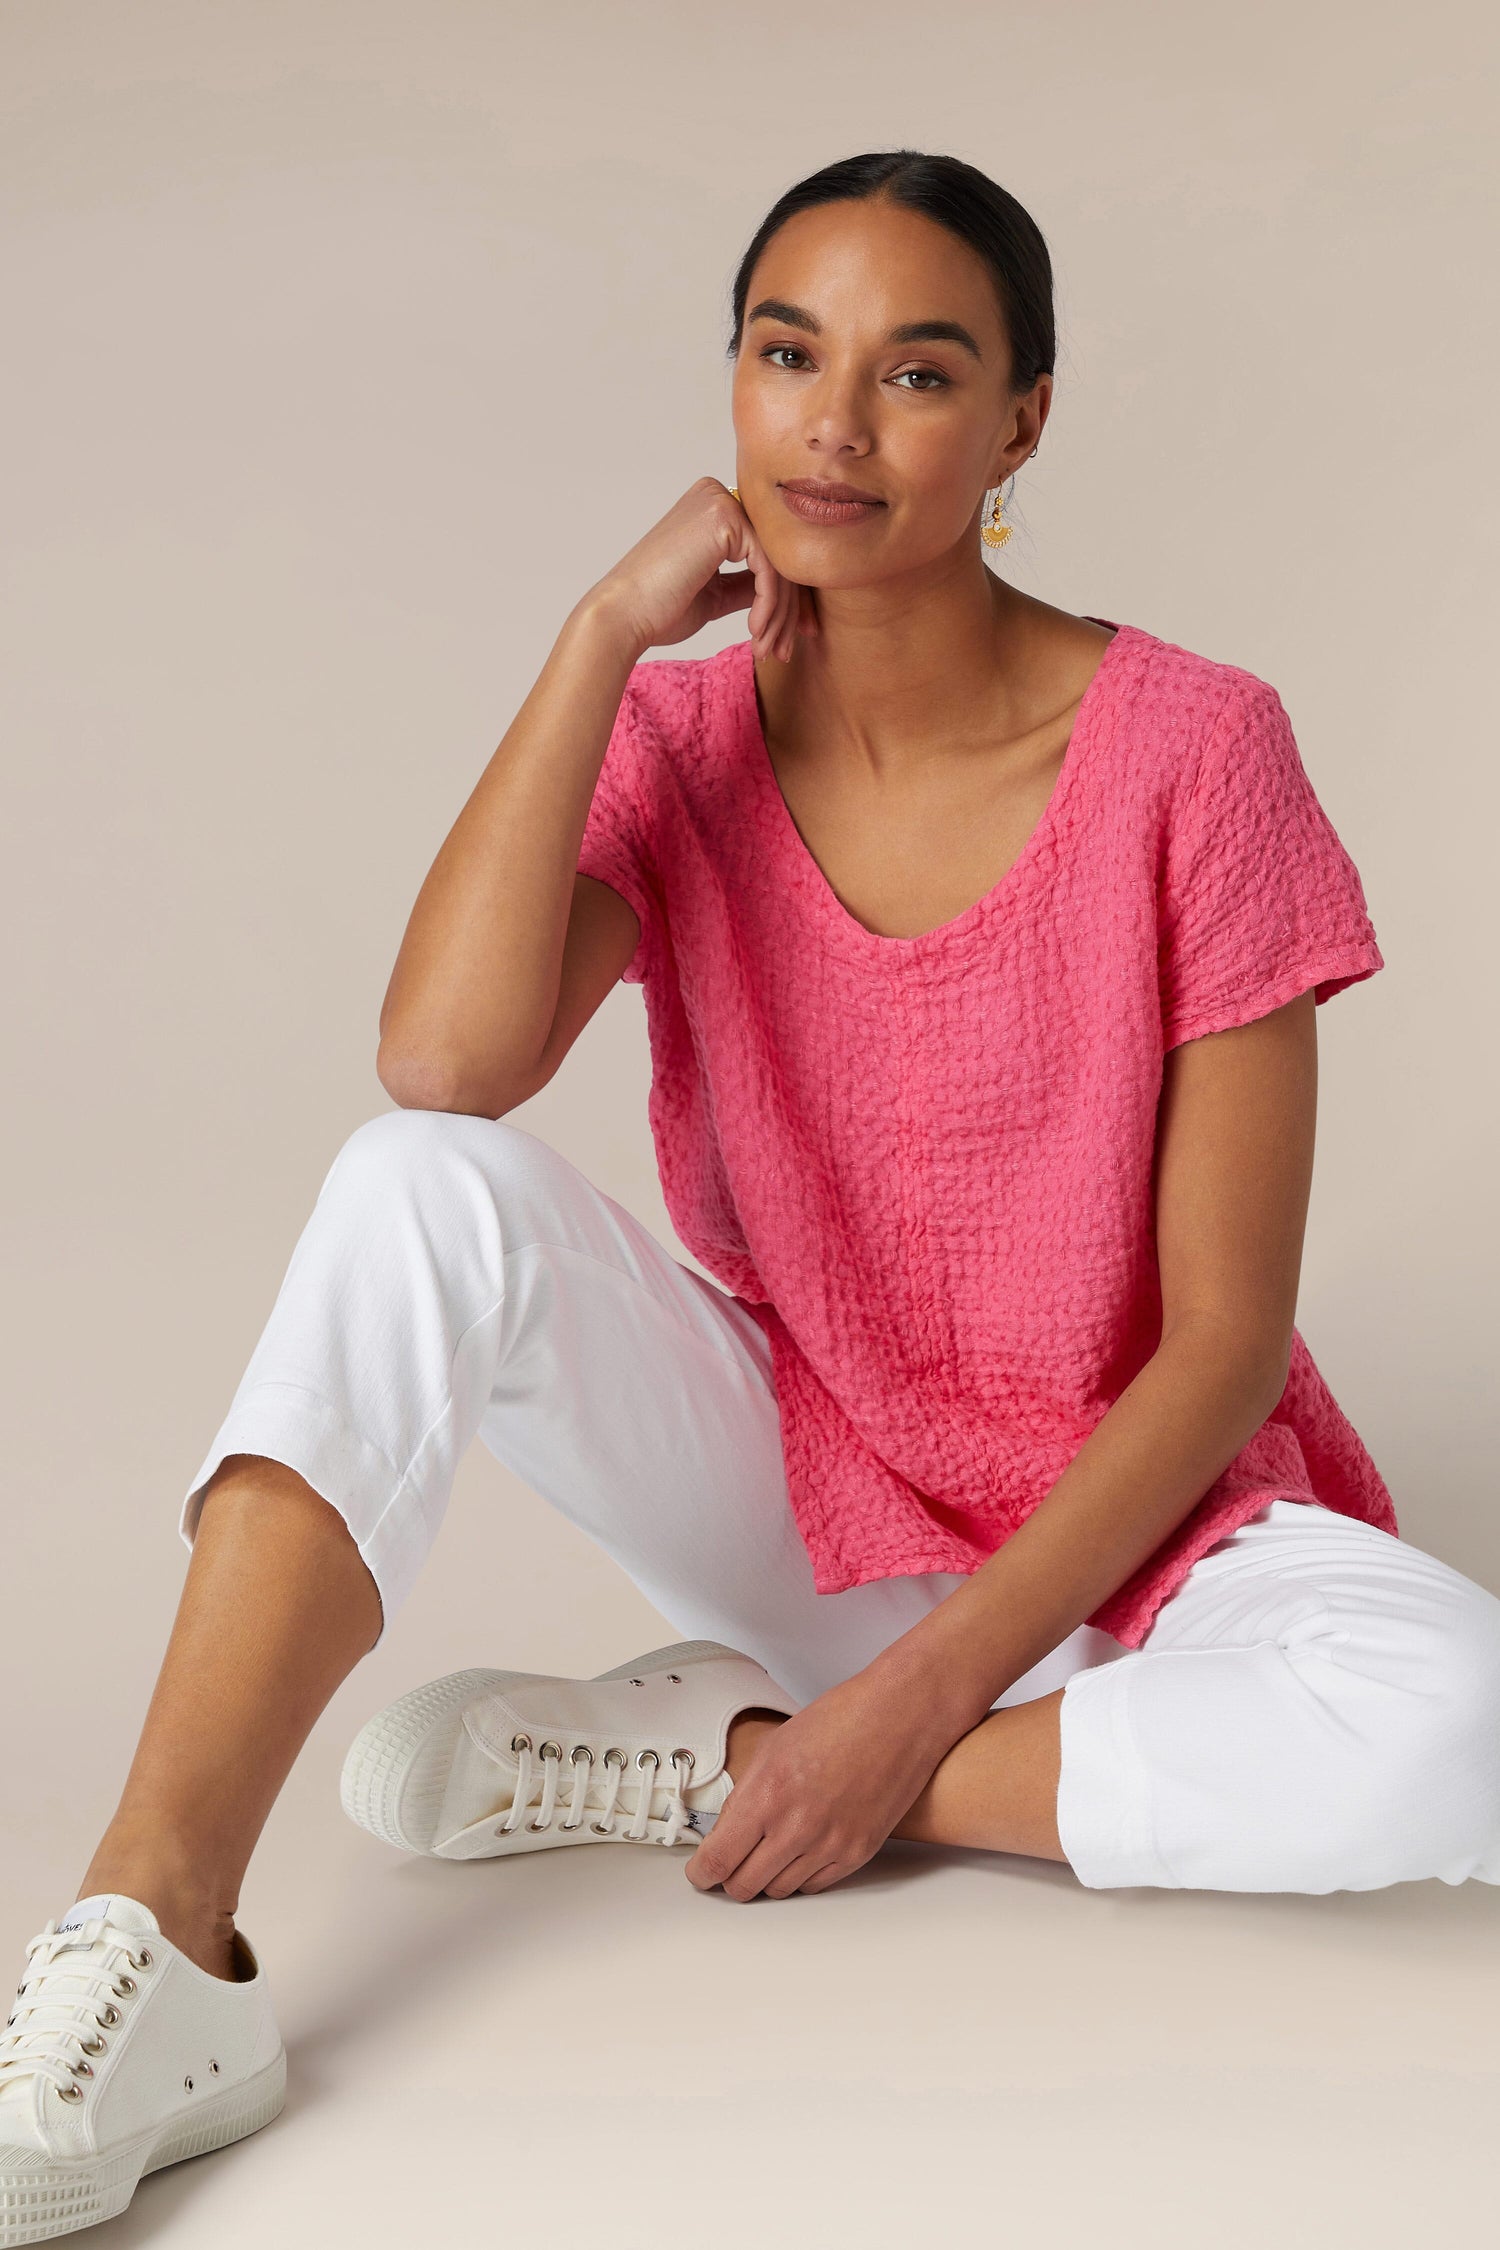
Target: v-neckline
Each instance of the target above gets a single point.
(815, 883)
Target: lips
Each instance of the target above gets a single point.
(816, 504)
(819, 488)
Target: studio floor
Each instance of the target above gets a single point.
(580, 2047)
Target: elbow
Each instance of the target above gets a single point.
(1265, 1380)
(1258, 1365)
(425, 1082)
(1280, 1374)
(1268, 1363)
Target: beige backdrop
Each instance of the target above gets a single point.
(346, 345)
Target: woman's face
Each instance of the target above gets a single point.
(826, 389)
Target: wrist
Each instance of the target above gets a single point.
(603, 615)
(926, 1680)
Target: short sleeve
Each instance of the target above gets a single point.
(1259, 898)
(617, 846)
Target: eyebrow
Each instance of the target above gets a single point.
(910, 331)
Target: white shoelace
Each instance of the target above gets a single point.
(67, 2001)
(549, 1758)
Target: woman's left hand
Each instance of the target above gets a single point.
(823, 1792)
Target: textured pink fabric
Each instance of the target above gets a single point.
(925, 1163)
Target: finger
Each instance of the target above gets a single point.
(703, 1869)
(732, 590)
(768, 591)
(775, 625)
(769, 1859)
(797, 1874)
(827, 1876)
(774, 600)
(786, 622)
(726, 1845)
(746, 548)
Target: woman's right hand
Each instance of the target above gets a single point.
(670, 584)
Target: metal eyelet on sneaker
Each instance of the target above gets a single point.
(520, 1742)
(637, 1683)
(188, 2083)
(613, 1756)
(95, 2046)
(126, 1986)
(551, 1750)
(687, 1756)
(82, 2069)
(580, 1750)
(675, 1678)
(642, 1755)
(70, 2093)
(213, 2066)
(145, 1961)
(110, 2017)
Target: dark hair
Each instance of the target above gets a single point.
(969, 204)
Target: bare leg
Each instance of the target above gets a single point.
(996, 1791)
(276, 1610)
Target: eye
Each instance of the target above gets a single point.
(934, 380)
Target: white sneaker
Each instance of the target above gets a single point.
(636, 1755)
(121, 2055)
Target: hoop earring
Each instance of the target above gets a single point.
(994, 530)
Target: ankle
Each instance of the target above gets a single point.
(748, 1732)
(193, 1912)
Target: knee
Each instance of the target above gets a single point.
(405, 1146)
(430, 1157)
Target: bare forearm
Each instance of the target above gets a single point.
(474, 989)
(1141, 1471)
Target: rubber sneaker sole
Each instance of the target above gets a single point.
(42, 2197)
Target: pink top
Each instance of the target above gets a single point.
(925, 1164)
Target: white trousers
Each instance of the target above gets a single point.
(1316, 1708)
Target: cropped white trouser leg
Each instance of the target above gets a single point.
(1316, 1708)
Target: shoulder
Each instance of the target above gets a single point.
(688, 738)
(1192, 714)
(1193, 692)
(682, 703)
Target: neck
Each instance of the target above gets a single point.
(901, 668)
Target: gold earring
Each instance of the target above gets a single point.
(734, 492)
(994, 531)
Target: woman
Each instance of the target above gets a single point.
(999, 1494)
